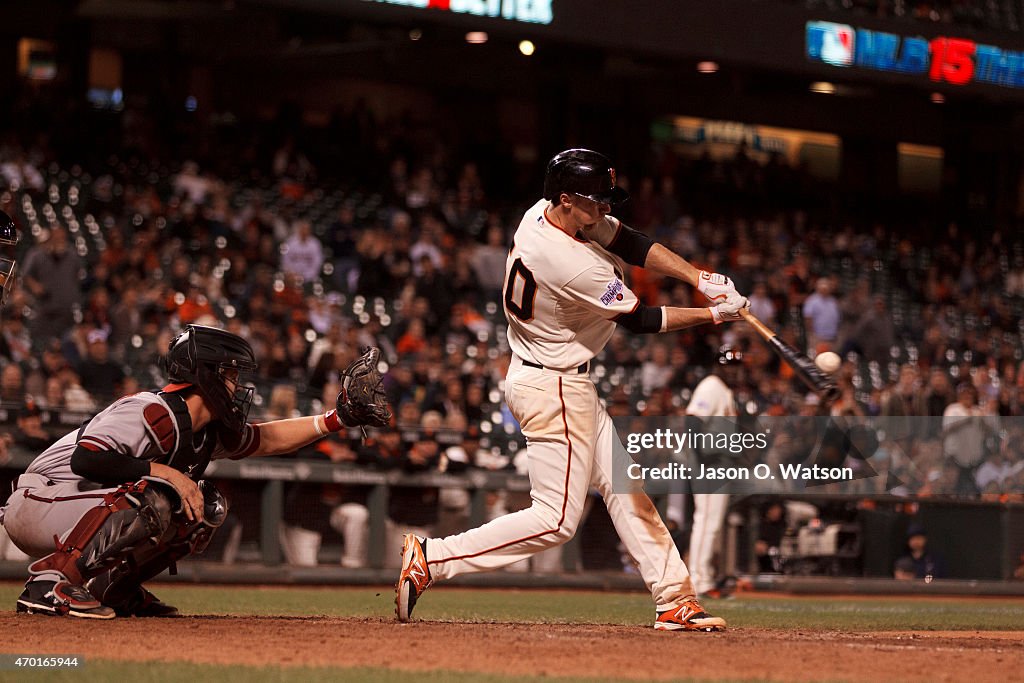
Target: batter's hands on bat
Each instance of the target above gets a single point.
(729, 310)
(715, 286)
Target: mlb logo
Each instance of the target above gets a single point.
(830, 43)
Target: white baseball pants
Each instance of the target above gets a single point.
(36, 512)
(569, 448)
(708, 514)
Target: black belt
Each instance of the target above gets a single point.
(583, 369)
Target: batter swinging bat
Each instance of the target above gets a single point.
(805, 369)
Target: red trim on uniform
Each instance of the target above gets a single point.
(252, 446)
(170, 388)
(551, 222)
(559, 228)
(629, 312)
(90, 447)
(103, 445)
(161, 424)
(565, 498)
(60, 499)
(568, 439)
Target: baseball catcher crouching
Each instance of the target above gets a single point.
(136, 533)
(116, 502)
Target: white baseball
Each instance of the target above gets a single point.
(828, 362)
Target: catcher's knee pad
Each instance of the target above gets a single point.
(129, 516)
(215, 505)
(120, 583)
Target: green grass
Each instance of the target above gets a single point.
(461, 604)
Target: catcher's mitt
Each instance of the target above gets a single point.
(362, 400)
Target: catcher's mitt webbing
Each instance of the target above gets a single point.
(362, 400)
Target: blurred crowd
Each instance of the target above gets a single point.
(116, 258)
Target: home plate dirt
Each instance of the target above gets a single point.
(632, 652)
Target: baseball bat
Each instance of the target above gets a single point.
(804, 367)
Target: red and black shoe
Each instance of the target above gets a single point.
(60, 598)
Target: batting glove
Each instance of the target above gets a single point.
(715, 286)
(729, 310)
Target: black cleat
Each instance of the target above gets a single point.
(60, 598)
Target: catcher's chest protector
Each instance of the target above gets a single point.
(185, 456)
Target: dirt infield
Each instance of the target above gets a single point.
(530, 649)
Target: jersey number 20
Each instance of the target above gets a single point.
(524, 308)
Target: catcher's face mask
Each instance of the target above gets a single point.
(238, 388)
(6, 278)
(215, 362)
(8, 240)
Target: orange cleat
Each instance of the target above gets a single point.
(415, 576)
(689, 616)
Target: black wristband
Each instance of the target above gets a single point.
(642, 319)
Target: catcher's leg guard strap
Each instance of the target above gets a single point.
(126, 517)
(118, 586)
(63, 560)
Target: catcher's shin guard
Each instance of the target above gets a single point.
(127, 517)
(119, 586)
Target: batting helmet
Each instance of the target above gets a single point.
(9, 237)
(585, 173)
(201, 357)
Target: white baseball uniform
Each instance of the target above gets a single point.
(561, 295)
(711, 398)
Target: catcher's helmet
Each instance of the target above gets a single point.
(199, 357)
(585, 173)
(9, 237)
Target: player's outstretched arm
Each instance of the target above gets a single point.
(663, 261)
(715, 286)
(650, 320)
(288, 435)
(727, 311)
(361, 402)
(637, 249)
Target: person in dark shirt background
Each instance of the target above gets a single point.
(926, 563)
(769, 538)
(100, 376)
(30, 434)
